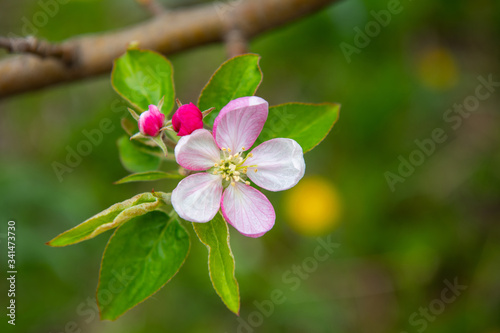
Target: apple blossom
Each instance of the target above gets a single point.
(275, 165)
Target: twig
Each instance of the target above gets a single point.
(38, 47)
(235, 39)
(166, 33)
(236, 43)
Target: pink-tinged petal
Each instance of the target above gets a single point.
(240, 122)
(280, 164)
(197, 197)
(155, 112)
(197, 151)
(248, 210)
(147, 127)
(156, 115)
(151, 121)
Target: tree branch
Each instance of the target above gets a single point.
(235, 39)
(38, 47)
(236, 43)
(167, 33)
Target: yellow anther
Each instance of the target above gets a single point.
(227, 177)
(233, 183)
(236, 178)
(250, 155)
(223, 149)
(216, 165)
(243, 148)
(236, 173)
(215, 172)
(229, 149)
(247, 182)
(255, 170)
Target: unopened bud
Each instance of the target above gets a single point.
(187, 119)
(151, 121)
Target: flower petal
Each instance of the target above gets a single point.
(248, 210)
(280, 164)
(197, 151)
(240, 122)
(151, 121)
(155, 112)
(197, 197)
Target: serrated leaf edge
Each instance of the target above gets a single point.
(119, 219)
(234, 268)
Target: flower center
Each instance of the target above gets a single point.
(231, 168)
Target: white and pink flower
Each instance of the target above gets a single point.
(274, 165)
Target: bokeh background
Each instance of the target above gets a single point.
(395, 249)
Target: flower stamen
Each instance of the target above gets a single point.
(231, 167)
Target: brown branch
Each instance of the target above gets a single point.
(38, 47)
(171, 32)
(236, 43)
(235, 39)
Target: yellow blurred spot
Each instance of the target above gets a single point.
(133, 45)
(313, 206)
(437, 69)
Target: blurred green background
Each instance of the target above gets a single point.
(395, 248)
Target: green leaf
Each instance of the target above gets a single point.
(135, 156)
(148, 146)
(143, 77)
(308, 124)
(238, 77)
(140, 258)
(129, 126)
(215, 235)
(148, 176)
(111, 218)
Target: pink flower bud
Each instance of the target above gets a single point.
(151, 121)
(187, 119)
